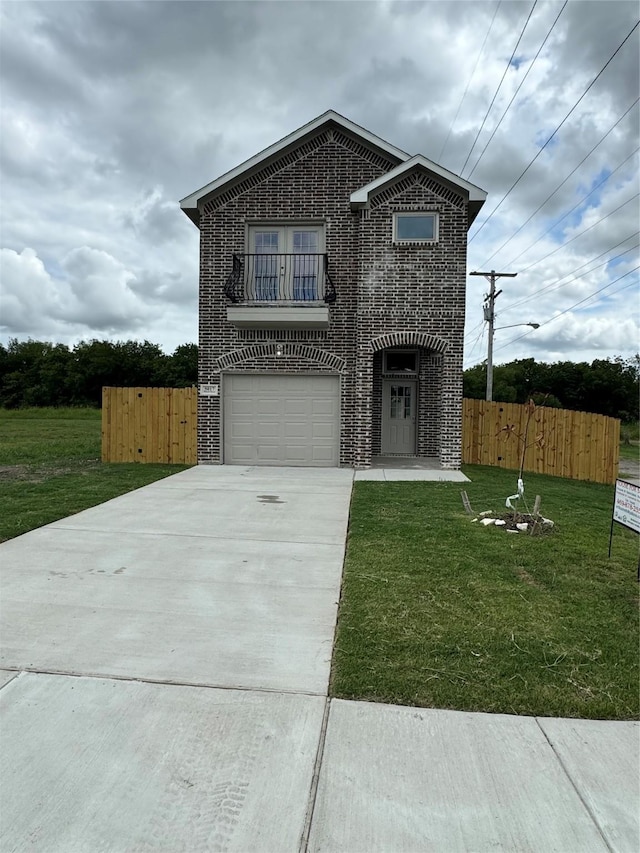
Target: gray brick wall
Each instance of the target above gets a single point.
(411, 295)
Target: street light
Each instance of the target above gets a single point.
(533, 325)
(493, 329)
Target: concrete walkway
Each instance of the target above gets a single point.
(166, 660)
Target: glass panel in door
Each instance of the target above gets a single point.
(304, 246)
(265, 276)
(400, 402)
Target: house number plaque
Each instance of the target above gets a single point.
(209, 390)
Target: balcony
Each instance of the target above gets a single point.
(280, 291)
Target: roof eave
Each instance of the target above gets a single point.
(475, 195)
(191, 203)
(474, 192)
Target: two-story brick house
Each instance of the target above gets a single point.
(332, 302)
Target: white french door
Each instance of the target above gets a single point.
(286, 263)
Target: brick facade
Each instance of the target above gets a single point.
(388, 296)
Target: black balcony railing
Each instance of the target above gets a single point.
(280, 278)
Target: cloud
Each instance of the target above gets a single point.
(94, 292)
(28, 292)
(113, 111)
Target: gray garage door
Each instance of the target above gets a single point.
(281, 420)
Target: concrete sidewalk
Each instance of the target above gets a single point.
(166, 662)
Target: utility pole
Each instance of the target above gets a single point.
(489, 316)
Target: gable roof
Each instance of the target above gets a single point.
(191, 203)
(360, 198)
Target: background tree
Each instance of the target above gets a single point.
(183, 366)
(39, 373)
(606, 386)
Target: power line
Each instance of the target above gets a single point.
(471, 331)
(549, 197)
(475, 68)
(575, 305)
(477, 341)
(555, 285)
(493, 133)
(582, 96)
(581, 233)
(499, 85)
(577, 204)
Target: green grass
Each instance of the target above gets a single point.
(630, 451)
(439, 612)
(50, 467)
(630, 431)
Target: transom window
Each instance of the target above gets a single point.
(415, 227)
(401, 361)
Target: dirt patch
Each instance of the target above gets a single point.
(42, 473)
(536, 525)
(15, 472)
(629, 469)
(517, 522)
(525, 577)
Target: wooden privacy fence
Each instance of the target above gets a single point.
(149, 425)
(160, 425)
(576, 445)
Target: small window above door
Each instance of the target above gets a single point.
(403, 362)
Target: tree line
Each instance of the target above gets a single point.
(606, 386)
(39, 373)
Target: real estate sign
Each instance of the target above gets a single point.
(626, 505)
(626, 509)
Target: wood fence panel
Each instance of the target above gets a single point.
(577, 445)
(160, 425)
(149, 425)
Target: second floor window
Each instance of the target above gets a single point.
(415, 227)
(285, 263)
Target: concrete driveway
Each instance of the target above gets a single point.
(217, 576)
(166, 662)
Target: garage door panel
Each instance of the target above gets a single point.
(267, 430)
(275, 419)
(297, 407)
(292, 431)
(323, 407)
(244, 453)
(322, 430)
(242, 406)
(239, 382)
(242, 432)
(324, 383)
(322, 456)
(267, 407)
(268, 453)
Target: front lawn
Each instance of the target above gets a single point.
(437, 611)
(50, 467)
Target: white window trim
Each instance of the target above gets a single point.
(419, 242)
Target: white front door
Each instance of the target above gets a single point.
(399, 417)
(285, 264)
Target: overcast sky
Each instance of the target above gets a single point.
(113, 111)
